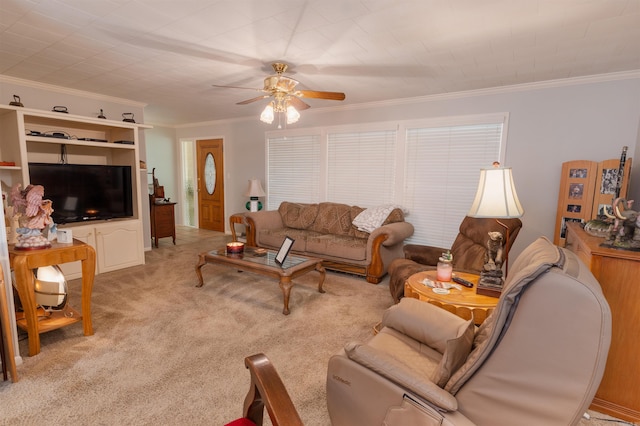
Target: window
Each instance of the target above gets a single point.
(293, 170)
(361, 167)
(442, 167)
(430, 167)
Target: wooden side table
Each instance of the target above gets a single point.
(163, 221)
(464, 302)
(24, 261)
(237, 218)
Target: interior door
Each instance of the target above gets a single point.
(210, 184)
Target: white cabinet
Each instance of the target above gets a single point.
(120, 245)
(28, 135)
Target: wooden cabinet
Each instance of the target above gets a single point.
(618, 272)
(29, 135)
(163, 221)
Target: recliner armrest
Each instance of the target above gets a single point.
(424, 322)
(401, 374)
(425, 255)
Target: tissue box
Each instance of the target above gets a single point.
(65, 236)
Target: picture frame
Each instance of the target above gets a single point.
(284, 250)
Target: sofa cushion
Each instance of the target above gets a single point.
(274, 238)
(337, 246)
(332, 218)
(296, 215)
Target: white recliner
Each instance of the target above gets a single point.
(537, 360)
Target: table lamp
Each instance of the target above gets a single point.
(253, 192)
(495, 198)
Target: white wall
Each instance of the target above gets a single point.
(163, 154)
(550, 123)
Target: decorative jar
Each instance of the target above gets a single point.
(444, 270)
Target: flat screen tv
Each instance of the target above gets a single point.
(82, 192)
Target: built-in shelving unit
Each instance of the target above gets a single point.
(28, 135)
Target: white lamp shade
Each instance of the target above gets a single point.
(255, 189)
(496, 196)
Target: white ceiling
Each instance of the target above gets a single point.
(168, 53)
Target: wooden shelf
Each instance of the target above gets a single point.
(64, 141)
(48, 321)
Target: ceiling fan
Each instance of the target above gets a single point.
(282, 89)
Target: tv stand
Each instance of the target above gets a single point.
(23, 139)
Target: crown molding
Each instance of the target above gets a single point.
(563, 82)
(68, 91)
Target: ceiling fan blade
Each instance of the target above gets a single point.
(334, 96)
(297, 103)
(237, 87)
(248, 101)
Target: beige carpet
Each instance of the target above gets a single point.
(165, 352)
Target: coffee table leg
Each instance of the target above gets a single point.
(285, 286)
(321, 270)
(201, 263)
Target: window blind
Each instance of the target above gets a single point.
(442, 167)
(361, 167)
(293, 169)
(429, 167)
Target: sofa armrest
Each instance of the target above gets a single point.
(265, 219)
(401, 374)
(395, 233)
(425, 255)
(423, 322)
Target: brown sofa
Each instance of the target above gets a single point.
(326, 231)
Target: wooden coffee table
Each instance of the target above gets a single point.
(264, 264)
(463, 302)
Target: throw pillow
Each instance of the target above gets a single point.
(455, 354)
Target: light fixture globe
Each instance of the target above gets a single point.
(267, 115)
(50, 288)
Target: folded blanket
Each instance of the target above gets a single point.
(372, 218)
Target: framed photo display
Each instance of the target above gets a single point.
(587, 189)
(284, 250)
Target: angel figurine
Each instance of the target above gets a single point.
(33, 214)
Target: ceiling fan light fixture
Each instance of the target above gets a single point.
(292, 114)
(267, 114)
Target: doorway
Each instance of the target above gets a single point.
(210, 184)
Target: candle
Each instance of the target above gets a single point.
(235, 247)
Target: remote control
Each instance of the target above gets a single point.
(462, 281)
